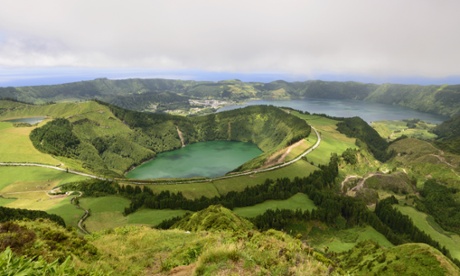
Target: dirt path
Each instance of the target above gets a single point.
(358, 186)
(442, 160)
(181, 137)
(85, 215)
(284, 164)
(346, 180)
(49, 167)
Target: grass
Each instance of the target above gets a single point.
(17, 147)
(392, 130)
(425, 161)
(343, 240)
(69, 212)
(29, 185)
(298, 201)
(140, 250)
(332, 141)
(152, 217)
(106, 212)
(450, 240)
(5, 201)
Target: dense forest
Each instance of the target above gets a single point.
(449, 135)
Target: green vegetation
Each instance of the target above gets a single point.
(358, 128)
(7, 214)
(297, 201)
(214, 218)
(16, 146)
(302, 199)
(340, 240)
(440, 202)
(392, 130)
(109, 140)
(368, 258)
(20, 265)
(422, 160)
(161, 95)
(427, 224)
(449, 135)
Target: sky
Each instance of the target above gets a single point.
(55, 41)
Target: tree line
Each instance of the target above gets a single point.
(8, 214)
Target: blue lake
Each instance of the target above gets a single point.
(368, 111)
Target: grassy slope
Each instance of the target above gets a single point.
(298, 201)
(408, 259)
(30, 184)
(392, 130)
(450, 240)
(342, 240)
(423, 160)
(16, 146)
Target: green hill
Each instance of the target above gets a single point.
(368, 258)
(109, 140)
(214, 218)
(43, 247)
(449, 135)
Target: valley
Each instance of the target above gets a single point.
(317, 188)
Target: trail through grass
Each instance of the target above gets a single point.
(29, 186)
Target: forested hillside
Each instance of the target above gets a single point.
(109, 140)
(449, 135)
(161, 94)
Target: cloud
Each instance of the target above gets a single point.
(412, 37)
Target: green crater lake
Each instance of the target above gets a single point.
(208, 159)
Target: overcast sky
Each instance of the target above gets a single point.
(186, 38)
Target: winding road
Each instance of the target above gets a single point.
(316, 145)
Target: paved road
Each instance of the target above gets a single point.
(316, 145)
(49, 167)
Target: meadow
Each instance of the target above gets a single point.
(28, 186)
(343, 240)
(16, 146)
(427, 224)
(298, 201)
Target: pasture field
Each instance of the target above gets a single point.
(152, 217)
(427, 224)
(69, 212)
(5, 201)
(107, 213)
(332, 141)
(29, 186)
(16, 146)
(392, 130)
(343, 240)
(297, 201)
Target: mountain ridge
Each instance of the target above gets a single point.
(164, 94)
